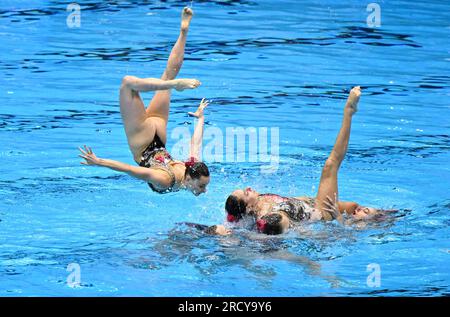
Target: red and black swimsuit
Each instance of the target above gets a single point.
(156, 156)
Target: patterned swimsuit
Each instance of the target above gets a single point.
(156, 156)
(296, 209)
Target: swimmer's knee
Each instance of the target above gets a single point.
(331, 165)
(127, 80)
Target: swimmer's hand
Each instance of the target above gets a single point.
(352, 102)
(219, 230)
(89, 156)
(200, 110)
(222, 231)
(186, 83)
(332, 209)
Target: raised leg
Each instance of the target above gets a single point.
(327, 195)
(132, 109)
(158, 109)
(139, 130)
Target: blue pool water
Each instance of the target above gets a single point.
(285, 64)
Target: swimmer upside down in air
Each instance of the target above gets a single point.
(274, 214)
(146, 129)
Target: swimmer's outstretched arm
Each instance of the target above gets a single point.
(327, 196)
(152, 84)
(147, 174)
(197, 138)
(219, 230)
(312, 268)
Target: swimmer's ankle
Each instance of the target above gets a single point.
(184, 31)
(186, 17)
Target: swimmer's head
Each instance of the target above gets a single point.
(238, 203)
(362, 212)
(196, 177)
(273, 223)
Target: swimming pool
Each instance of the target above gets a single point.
(264, 65)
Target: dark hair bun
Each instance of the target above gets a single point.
(235, 207)
(196, 169)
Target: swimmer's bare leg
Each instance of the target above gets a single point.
(158, 109)
(327, 196)
(132, 108)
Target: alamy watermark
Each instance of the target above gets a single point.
(74, 278)
(374, 18)
(374, 278)
(73, 20)
(237, 145)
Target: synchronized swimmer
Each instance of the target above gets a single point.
(274, 214)
(146, 131)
